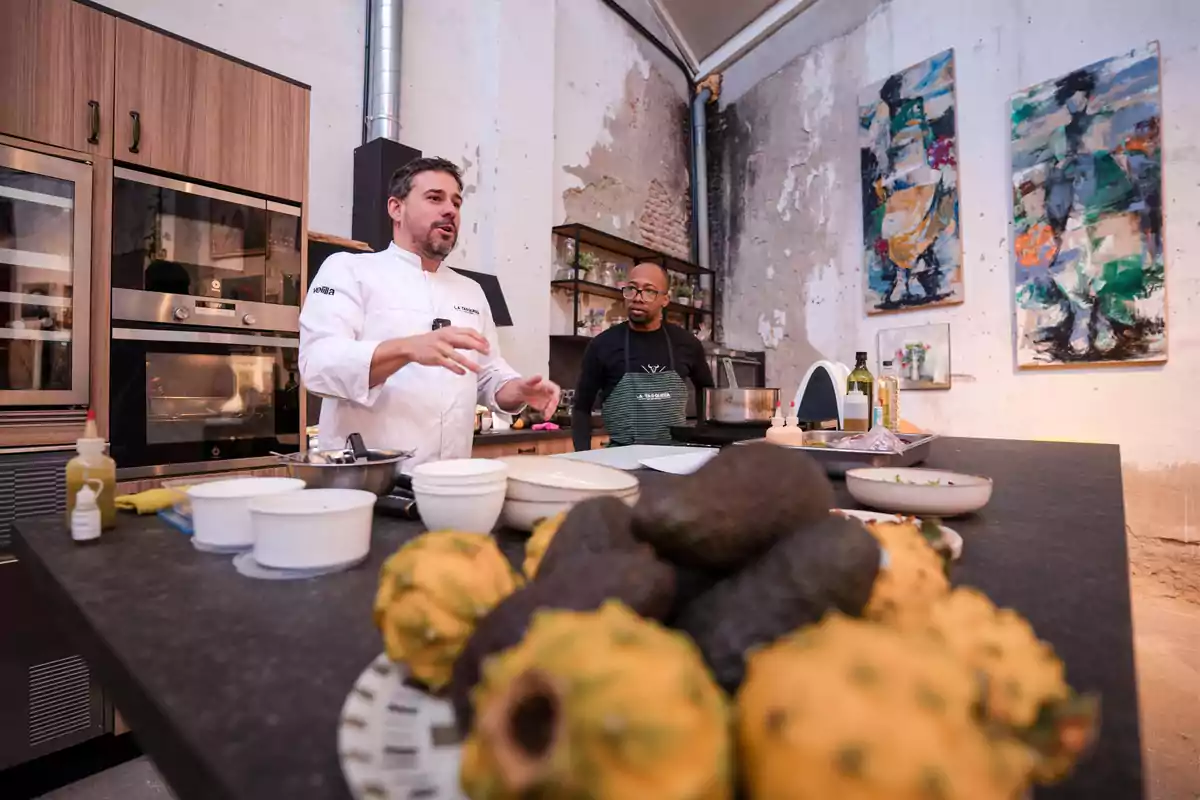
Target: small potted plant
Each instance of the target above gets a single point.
(683, 295)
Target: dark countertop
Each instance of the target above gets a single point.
(233, 686)
(526, 435)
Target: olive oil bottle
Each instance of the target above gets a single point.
(861, 379)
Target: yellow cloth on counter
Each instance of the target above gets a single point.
(150, 501)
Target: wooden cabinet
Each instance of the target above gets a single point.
(184, 110)
(56, 78)
(542, 446)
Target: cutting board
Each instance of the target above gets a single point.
(627, 458)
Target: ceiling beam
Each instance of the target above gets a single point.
(673, 31)
(750, 36)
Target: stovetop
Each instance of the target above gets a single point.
(716, 435)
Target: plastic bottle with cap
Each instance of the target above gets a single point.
(856, 413)
(92, 464)
(85, 516)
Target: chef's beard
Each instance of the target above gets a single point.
(437, 247)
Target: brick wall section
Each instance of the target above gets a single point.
(663, 223)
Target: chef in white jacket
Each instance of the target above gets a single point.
(402, 349)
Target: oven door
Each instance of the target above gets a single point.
(182, 399)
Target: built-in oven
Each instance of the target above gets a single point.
(186, 398)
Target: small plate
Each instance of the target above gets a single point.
(396, 741)
(952, 538)
(932, 492)
(681, 463)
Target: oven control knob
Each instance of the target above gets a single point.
(180, 314)
(248, 319)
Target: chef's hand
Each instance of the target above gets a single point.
(434, 349)
(536, 392)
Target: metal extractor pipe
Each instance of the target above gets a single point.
(383, 69)
(700, 173)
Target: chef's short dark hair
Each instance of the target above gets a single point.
(402, 179)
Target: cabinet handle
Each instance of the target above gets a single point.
(137, 131)
(94, 113)
(526, 451)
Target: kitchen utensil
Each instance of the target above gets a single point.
(919, 491)
(312, 529)
(952, 539)
(376, 474)
(735, 405)
(354, 443)
(221, 509)
(470, 509)
(396, 741)
(400, 503)
(838, 461)
(545, 478)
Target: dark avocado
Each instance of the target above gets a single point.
(734, 507)
(599, 525)
(583, 583)
(828, 566)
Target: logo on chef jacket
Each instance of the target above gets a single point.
(654, 396)
(466, 310)
(324, 290)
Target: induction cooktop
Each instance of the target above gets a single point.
(717, 435)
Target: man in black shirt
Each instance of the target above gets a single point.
(638, 369)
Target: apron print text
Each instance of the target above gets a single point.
(654, 396)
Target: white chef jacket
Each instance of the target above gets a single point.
(358, 301)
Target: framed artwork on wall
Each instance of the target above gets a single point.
(1088, 216)
(920, 353)
(908, 145)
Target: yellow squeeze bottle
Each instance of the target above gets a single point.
(93, 465)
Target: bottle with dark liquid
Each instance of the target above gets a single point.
(861, 379)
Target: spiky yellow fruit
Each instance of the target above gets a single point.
(854, 710)
(604, 705)
(912, 578)
(539, 540)
(1026, 687)
(431, 593)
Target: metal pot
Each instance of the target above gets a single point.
(739, 406)
(736, 406)
(376, 474)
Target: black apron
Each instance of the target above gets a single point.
(644, 405)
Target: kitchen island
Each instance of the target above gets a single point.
(233, 686)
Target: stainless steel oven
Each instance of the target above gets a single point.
(45, 268)
(196, 397)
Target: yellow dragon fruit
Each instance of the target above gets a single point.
(604, 705)
(854, 710)
(431, 593)
(911, 579)
(539, 540)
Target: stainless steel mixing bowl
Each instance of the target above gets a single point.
(377, 474)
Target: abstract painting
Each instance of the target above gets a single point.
(909, 160)
(920, 355)
(1088, 217)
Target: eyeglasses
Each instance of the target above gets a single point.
(633, 292)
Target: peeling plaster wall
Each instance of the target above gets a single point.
(318, 42)
(792, 239)
(620, 125)
(478, 89)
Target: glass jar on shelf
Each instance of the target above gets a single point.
(607, 274)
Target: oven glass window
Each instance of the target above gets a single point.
(36, 269)
(192, 397)
(177, 242)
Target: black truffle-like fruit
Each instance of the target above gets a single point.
(824, 567)
(599, 525)
(636, 578)
(734, 507)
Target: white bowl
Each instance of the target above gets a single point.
(932, 492)
(548, 479)
(221, 509)
(460, 510)
(460, 491)
(312, 528)
(523, 515)
(460, 472)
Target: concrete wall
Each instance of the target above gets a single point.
(314, 41)
(791, 236)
